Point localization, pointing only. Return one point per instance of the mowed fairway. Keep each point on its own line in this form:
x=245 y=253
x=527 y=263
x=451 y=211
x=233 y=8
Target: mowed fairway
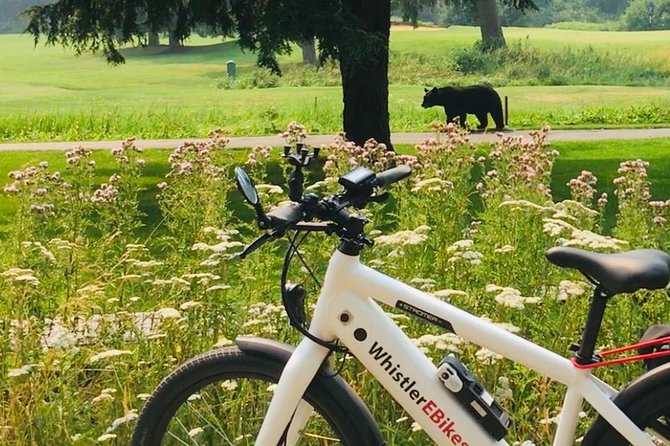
x=654 y=45
x=48 y=94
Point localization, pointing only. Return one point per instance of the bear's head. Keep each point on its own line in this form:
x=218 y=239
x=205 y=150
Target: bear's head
x=431 y=98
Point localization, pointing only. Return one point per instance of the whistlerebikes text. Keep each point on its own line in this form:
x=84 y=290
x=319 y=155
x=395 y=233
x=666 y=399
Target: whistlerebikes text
x=408 y=385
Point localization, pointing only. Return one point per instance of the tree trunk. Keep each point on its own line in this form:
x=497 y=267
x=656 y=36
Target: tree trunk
x=154 y=39
x=364 y=68
x=489 y=23
x=174 y=42
x=308 y=51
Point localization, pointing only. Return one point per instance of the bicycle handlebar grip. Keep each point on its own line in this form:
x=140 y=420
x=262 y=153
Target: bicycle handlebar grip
x=285 y=215
x=388 y=177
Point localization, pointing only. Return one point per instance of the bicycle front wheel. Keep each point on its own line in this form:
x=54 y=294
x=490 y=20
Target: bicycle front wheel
x=221 y=397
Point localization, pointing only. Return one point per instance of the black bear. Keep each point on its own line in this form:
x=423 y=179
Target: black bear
x=478 y=100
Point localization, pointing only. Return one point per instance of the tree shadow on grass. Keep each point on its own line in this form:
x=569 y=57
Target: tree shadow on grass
x=218 y=53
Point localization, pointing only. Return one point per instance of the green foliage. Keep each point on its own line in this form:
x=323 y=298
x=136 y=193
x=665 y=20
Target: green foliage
x=256 y=78
x=638 y=16
x=587 y=26
x=521 y=63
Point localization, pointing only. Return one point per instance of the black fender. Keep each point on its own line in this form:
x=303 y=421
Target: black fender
x=640 y=388
x=337 y=388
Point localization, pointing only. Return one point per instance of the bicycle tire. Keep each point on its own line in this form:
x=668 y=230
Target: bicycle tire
x=177 y=391
x=646 y=401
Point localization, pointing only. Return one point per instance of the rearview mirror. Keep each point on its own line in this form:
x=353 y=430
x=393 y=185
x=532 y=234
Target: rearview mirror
x=246 y=186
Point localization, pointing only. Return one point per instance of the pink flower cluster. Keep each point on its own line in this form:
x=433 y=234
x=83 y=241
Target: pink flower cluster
x=521 y=163
x=258 y=153
x=193 y=158
x=75 y=156
x=294 y=133
x=107 y=192
x=344 y=155
x=582 y=188
x=449 y=138
x=632 y=185
x=122 y=153
x=661 y=209
x=36 y=178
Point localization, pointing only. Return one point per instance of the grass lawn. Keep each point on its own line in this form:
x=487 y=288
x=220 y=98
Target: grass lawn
x=600 y=157
x=647 y=44
x=48 y=94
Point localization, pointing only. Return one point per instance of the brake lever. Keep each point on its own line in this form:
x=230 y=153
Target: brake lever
x=253 y=246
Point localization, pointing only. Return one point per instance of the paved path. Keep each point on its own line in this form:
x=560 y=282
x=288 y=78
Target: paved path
x=318 y=140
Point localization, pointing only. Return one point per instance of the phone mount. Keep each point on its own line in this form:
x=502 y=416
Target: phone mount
x=300 y=159
x=246 y=186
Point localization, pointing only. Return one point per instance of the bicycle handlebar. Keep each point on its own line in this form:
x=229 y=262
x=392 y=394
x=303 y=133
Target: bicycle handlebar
x=390 y=176
x=286 y=214
x=359 y=190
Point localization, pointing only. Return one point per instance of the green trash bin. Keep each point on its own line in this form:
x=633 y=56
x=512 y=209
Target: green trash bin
x=230 y=67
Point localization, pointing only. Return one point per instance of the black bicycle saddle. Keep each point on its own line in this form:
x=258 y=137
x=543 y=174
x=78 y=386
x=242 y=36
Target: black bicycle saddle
x=624 y=272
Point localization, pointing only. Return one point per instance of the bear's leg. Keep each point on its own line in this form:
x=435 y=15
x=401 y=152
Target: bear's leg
x=450 y=118
x=497 y=115
x=463 y=117
x=483 y=120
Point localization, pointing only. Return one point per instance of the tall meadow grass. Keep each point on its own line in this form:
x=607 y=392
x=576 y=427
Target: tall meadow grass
x=93 y=316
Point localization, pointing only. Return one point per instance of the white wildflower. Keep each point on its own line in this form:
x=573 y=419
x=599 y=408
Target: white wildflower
x=269 y=189
x=168 y=313
x=223 y=342
x=106 y=437
x=190 y=304
x=503 y=391
x=20 y=275
x=460 y=245
x=229 y=384
x=217 y=287
x=486 y=356
x=23 y=370
x=130 y=416
x=102 y=397
x=416 y=427
x=524 y=204
x=510 y=297
x=446 y=341
x=449 y=293
x=423 y=229
x=433 y=185
x=195 y=432
x=402 y=238
x=135 y=247
x=507 y=327
x=108 y=354
x=569 y=288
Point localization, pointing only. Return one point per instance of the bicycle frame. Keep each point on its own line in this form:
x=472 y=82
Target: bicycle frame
x=346 y=310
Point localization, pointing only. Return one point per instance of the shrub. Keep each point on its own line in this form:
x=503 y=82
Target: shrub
x=638 y=16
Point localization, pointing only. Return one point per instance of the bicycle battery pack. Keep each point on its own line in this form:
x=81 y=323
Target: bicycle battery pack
x=473 y=397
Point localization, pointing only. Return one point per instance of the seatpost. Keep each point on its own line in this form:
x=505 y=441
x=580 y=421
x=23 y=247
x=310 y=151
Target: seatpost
x=590 y=334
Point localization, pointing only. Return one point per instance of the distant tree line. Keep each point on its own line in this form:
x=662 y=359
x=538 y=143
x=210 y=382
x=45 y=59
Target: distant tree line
x=621 y=14
x=10 y=10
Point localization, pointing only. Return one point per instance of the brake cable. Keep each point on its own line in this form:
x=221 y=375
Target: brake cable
x=300 y=325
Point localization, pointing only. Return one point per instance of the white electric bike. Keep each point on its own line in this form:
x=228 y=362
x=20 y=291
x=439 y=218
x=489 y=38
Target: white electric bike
x=266 y=393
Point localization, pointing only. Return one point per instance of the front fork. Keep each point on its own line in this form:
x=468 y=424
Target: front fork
x=286 y=406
